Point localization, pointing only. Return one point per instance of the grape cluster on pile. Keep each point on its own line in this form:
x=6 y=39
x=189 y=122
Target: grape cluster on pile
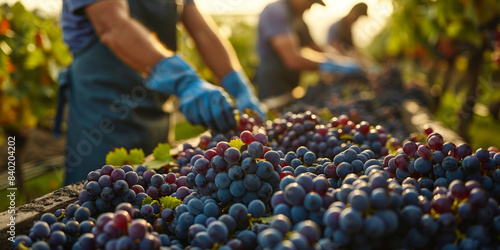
x=326 y=139
x=377 y=101
x=293 y=184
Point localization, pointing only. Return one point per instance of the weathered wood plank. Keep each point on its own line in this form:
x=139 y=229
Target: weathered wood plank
x=32 y=210
x=416 y=119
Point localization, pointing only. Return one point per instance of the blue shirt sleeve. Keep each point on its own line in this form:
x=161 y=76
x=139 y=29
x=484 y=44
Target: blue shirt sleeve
x=274 y=20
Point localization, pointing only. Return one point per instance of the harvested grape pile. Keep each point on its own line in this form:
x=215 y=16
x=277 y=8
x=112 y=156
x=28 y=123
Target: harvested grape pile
x=294 y=183
x=377 y=101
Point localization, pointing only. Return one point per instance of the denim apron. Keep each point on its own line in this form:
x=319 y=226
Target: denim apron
x=109 y=105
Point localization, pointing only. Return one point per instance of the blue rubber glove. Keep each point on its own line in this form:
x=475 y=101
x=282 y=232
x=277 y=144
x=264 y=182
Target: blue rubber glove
x=201 y=102
x=238 y=86
x=343 y=68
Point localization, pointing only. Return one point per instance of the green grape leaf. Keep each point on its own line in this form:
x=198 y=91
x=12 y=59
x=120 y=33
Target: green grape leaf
x=155 y=164
x=238 y=143
x=346 y=137
x=117 y=157
x=169 y=202
x=147 y=201
x=136 y=156
x=162 y=152
x=266 y=220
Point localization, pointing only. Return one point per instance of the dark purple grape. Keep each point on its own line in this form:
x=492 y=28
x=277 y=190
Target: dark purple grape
x=201 y=166
x=255 y=150
x=93 y=176
x=147 y=175
x=137 y=229
x=261 y=137
x=464 y=150
x=157 y=180
x=410 y=148
x=118 y=174
x=309 y=229
x=435 y=141
x=105 y=181
x=221 y=148
x=264 y=169
x=153 y=192
x=471 y=164
x=482 y=155
x=401 y=161
x=441 y=204
x=294 y=193
x=350 y=220
x=449 y=149
x=49 y=218
x=93 y=188
x=424 y=151
x=120 y=187
x=107 y=170
x=82 y=214
x=232 y=155
x=131 y=178
x=41 y=229
x=246 y=137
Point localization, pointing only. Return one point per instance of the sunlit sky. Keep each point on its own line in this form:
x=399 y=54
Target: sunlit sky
x=318 y=18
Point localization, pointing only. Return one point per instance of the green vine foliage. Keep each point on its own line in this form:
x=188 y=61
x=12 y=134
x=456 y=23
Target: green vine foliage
x=32 y=52
x=445 y=47
x=425 y=29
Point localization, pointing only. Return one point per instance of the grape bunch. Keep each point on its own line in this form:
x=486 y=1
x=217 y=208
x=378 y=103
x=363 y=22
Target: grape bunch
x=237 y=174
x=107 y=187
x=192 y=211
x=60 y=229
x=245 y=122
x=329 y=139
x=122 y=229
x=377 y=211
x=229 y=230
x=160 y=185
x=58 y=232
x=301 y=161
x=438 y=163
x=304 y=197
x=184 y=157
x=279 y=234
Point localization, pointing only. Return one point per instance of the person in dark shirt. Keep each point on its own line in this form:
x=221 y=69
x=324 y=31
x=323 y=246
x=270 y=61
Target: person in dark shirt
x=340 y=33
x=282 y=34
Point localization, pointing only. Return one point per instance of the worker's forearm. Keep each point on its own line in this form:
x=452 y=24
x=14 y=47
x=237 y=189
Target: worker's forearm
x=302 y=63
x=305 y=59
x=293 y=56
x=127 y=38
x=315 y=47
x=135 y=46
x=216 y=52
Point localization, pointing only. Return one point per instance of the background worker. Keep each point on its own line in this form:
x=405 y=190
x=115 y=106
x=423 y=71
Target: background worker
x=340 y=33
x=282 y=35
